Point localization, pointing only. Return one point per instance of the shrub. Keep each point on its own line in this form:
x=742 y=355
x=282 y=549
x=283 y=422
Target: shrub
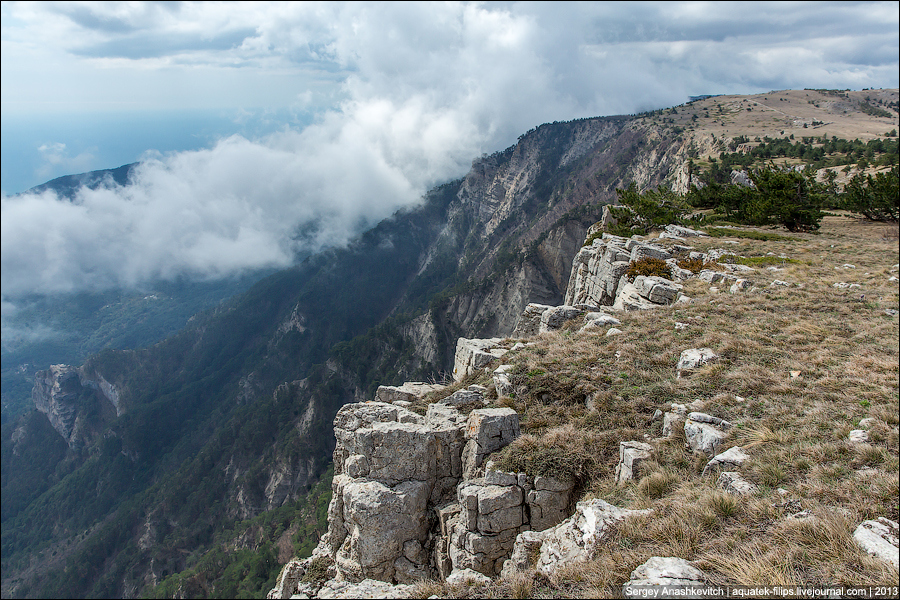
x=638 y=213
x=648 y=267
x=318 y=570
x=876 y=198
x=695 y=265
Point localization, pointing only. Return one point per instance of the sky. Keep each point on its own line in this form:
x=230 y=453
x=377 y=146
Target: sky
x=267 y=130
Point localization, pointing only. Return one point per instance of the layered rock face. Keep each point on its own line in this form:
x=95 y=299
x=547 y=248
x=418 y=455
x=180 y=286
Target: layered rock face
x=598 y=276
x=55 y=394
x=61 y=392
x=413 y=497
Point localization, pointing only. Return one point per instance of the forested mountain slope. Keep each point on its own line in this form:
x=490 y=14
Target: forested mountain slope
x=231 y=417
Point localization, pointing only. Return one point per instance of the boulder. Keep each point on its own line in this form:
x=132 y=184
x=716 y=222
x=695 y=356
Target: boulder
x=730 y=459
x=664 y=571
x=657 y=290
x=530 y=322
x=575 y=538
x=879 y=538
x=474 y=354
x=555 y=317
x=631 y=455
x=733 y=483
x=694 y=358
x=704 y=433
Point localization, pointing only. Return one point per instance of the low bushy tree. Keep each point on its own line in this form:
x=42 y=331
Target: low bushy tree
x=786 y=197
x=638 y=212
x=876 y=198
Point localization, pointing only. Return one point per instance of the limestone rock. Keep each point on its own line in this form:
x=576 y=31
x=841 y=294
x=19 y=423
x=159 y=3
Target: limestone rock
x=464 y=397
x=288 y=578
x=380 y=519
x=502 y=383
x=858 y=436
x=629 y=299
x=684 y=231
x=408 y=392
x=525 y=553
x=549 y=501
x=657 y=290
x=467 y=577
x=672 y=421
x=574 y=539
x=739 y=286
x=601 y=318
x=553 y=318
x=879 y=538
x=694 y=358
x=474 y=354
x=704 y=434
x=667 y=571
x=733 y=483
x=62 y=393
x=530 y=322
x=596 y=271
x=731 y=458
x=391 y=465
x=55 y=394
x=366 y=589
x=488 y=430
x=631 y=455
x=640 y=250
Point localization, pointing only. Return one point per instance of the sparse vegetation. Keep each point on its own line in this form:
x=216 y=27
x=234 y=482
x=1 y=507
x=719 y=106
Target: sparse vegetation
x=649 y=267
x=594 y=391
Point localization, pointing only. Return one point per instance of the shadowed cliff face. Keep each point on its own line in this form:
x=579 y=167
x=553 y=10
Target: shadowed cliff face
x=232 y=416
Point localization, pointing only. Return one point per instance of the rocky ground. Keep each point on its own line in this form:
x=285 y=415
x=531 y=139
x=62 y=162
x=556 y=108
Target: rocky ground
x=742 y=431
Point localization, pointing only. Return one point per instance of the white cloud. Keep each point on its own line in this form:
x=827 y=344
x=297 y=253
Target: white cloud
x=404 y=96
x=56 y=156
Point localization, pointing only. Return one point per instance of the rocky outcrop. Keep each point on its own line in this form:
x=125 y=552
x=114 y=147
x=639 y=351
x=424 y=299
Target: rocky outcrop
x=66 y=395
x=599 y=276
x=596 y=271
x=474 y=354
x=574 y=539
x=390 y=466
x=409 y=392
x=413 y=497
x=55 y=394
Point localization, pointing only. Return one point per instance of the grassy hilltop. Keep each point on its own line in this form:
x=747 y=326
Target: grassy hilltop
x=800 y=366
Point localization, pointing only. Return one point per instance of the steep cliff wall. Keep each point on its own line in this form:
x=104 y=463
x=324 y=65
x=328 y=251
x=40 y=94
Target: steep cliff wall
x=203 y=407
x=76 y=405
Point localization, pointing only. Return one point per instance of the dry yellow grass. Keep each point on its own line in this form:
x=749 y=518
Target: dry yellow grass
x=580 y=394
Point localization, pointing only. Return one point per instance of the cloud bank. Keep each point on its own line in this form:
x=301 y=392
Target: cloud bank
x=404 y=95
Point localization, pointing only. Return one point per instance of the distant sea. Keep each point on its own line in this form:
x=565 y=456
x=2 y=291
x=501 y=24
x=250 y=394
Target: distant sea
x=90 y=141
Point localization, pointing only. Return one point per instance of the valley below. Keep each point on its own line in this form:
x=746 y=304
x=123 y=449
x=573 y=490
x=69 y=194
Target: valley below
x=197 y=460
